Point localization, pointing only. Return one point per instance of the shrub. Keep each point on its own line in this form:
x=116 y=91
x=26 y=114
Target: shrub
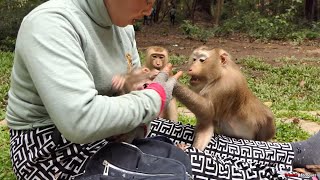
x=195 y=32
x=11 y=13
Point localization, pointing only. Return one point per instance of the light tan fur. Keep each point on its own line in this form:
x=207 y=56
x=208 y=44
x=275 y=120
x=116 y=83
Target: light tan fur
x=156 y=57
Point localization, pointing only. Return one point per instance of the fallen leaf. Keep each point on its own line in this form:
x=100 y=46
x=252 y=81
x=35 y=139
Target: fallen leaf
x=302 y=83
x=295 y=120
x=269 y=103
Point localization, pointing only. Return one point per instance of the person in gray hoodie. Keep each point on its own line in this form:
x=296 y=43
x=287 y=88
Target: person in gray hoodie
x=61 y=109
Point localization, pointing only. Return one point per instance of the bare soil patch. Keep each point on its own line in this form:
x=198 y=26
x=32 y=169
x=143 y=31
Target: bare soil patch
x=238 y=46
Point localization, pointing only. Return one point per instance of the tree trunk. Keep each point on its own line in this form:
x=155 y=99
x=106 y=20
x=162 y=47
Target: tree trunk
x=217 y=12
x=262 y=7
x=205 y=6
x=316 y=11
x=194 y=4
x=310 y=10
x=188 y=12
x=158 y=9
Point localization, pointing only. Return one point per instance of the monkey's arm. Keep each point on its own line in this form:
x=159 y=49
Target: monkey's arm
x=197 y=104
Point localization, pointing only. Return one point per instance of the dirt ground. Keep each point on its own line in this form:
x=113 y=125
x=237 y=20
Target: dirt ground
x=171 y=37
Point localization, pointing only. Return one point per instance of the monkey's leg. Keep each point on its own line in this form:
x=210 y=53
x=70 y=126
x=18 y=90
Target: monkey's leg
x=203 y=133
x=242 y=150
x=172 y=110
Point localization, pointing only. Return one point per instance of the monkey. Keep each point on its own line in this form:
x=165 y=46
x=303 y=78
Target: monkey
x=221 y=100
x=137 y=79
x=157 y=57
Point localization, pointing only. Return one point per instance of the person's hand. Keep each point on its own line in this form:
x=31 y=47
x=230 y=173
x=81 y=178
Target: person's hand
x=137 y=133
x=167 y=83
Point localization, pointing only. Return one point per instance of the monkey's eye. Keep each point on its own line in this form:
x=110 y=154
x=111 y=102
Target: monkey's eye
x=194 y=59
x=202 y=60
x=154 y=56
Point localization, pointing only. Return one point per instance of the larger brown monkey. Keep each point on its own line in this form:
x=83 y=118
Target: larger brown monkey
x=221 y=99
x=157 y=58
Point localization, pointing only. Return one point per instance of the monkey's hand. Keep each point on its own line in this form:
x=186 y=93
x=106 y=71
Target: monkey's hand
x=182 y=146
x=167 y=83
x=153 y=73
x=168 y=69
x=137 y=133
x=118 y=82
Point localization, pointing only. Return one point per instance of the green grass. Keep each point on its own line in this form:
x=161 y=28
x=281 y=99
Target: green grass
x=289 y=132
x=277 y=84
x=280 y=84
x=305 y=115
x=285 y=132
x=6 y=172
x=186 y=119
x=6 y=59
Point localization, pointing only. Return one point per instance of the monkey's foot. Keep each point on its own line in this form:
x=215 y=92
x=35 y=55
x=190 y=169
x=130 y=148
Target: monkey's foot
x=182 y=146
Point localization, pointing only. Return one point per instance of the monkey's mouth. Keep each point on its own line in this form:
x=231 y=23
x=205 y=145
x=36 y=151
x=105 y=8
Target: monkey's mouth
x=194 y=80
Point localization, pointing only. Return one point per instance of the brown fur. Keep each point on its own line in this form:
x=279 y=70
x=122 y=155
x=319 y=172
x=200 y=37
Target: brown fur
x=133 y=80
x=123 y=84
x=222 y=101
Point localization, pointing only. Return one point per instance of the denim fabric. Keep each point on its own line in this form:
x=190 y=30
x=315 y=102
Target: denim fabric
x=143 y=159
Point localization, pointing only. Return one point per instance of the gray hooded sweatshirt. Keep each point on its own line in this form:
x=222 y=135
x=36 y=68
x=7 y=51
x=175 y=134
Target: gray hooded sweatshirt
x=67 y=52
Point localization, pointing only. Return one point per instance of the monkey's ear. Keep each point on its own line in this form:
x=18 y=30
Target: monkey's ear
x=224 y=58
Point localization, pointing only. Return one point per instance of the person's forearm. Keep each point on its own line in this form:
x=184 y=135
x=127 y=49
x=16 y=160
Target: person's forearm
x=106 y=116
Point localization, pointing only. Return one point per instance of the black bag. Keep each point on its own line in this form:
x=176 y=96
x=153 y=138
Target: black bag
x=150 y=158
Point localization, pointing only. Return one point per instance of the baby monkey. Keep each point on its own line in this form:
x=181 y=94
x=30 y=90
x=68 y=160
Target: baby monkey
x=221 y=99
x=157 y=58
x=137 y=79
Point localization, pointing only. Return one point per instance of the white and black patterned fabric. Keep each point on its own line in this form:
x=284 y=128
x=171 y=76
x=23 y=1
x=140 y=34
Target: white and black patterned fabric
x=35 y=155
x=230 y=158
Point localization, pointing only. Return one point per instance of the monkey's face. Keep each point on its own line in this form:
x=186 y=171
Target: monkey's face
x=198 y=65
x=158 y=60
